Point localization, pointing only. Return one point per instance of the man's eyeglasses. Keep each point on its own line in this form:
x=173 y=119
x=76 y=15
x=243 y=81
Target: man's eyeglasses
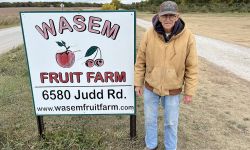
x=168 y=16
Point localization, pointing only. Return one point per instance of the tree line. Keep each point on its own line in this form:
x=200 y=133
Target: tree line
x=195 y=5
x=158 y=2
x=48 y=4
x=150 y=5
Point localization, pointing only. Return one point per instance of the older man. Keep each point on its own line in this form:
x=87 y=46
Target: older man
x=166 y=62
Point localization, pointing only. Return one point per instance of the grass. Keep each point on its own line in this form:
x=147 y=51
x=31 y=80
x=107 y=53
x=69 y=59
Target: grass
x=18 y=128
x=148 y=15
x=9 y=16
x=215 y=25
x=18 y=123
x=9 y=21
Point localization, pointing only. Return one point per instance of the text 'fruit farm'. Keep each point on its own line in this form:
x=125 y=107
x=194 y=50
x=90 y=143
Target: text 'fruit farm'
x=80 y=24
x=75 y=77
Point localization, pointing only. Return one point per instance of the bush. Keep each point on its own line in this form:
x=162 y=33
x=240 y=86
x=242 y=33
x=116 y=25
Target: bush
x=108 y=7
x=8 y=20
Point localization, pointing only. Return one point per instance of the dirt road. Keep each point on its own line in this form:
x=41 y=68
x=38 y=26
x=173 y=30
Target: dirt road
x=10 y=38
x=232 y=57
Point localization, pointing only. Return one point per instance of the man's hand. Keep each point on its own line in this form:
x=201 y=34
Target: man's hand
x=187 y=99
x=139 y=90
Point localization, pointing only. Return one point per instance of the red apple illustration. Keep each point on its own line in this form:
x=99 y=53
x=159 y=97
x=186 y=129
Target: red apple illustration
x=65 y=59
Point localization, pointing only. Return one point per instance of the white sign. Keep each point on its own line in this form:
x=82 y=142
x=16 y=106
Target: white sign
x=81 y=62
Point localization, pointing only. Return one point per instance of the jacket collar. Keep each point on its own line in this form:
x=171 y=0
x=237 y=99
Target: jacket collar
x=177 y=29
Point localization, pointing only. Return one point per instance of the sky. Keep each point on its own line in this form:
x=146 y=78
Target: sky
x=88 y=1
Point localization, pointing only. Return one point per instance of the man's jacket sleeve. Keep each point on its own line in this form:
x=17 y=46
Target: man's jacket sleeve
x=140 y=65
x=191 y=68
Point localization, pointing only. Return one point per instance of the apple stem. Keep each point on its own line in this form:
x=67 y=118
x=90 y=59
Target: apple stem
x=67 y=48
x=77 y=51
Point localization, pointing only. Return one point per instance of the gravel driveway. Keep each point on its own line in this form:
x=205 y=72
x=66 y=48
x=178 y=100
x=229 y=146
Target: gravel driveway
x=10 y=38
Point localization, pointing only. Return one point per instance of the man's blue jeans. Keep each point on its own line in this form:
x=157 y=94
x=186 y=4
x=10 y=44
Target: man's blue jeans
x=171 y=114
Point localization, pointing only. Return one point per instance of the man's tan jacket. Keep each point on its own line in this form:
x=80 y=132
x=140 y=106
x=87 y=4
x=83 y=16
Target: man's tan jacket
x=167 y=66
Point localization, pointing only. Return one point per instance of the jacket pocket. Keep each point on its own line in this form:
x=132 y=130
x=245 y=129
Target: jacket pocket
x=153 y=76
x=171 y=80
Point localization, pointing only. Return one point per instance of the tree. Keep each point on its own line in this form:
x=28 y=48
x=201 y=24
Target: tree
x=108 y=7
x=116 y=3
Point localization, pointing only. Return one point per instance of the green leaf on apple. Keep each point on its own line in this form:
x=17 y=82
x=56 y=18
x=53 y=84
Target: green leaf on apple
x=91 y=51
x=59 y=44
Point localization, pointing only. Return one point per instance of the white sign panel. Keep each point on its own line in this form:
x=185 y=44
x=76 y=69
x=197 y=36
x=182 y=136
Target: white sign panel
x=81 y=62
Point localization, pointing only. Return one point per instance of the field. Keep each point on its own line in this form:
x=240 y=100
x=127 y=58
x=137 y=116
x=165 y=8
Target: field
x=229 y=27
x=218 y=118
x=10 y=16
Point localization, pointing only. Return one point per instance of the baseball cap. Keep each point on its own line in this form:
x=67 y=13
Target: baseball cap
x=168 y=7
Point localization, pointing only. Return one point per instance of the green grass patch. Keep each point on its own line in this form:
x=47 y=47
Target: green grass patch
x=9 y=21
x=18 y=128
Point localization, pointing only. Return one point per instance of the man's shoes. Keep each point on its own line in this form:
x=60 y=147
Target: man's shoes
x=150 y=149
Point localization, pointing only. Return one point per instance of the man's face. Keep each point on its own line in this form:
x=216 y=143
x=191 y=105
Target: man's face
x=168 y=21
